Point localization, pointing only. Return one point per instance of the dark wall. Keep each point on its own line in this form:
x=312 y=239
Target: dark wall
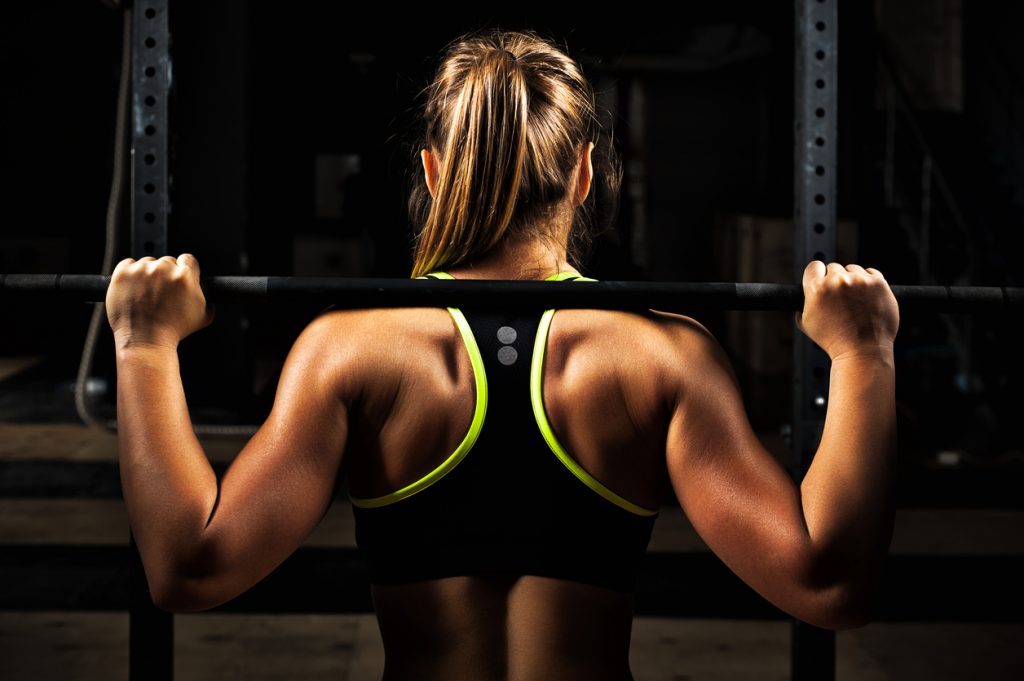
x=59 y=68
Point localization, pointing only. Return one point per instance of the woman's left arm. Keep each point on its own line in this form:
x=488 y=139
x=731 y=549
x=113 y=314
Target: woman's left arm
x=202 y=545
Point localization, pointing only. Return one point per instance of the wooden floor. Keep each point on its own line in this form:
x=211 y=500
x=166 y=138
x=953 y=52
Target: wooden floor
x=217 y=647
x=88 y=646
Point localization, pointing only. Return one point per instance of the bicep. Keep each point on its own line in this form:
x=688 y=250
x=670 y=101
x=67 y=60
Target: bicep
x=281 y=484
x=736 y=494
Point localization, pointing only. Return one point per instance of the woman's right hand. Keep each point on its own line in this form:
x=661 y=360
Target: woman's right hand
x=847 y=309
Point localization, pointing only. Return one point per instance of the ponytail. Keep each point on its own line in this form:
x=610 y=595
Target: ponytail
x=506 y=116
x=480 y=166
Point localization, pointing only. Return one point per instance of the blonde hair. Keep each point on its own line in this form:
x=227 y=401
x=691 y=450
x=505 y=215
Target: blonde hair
x=507 y=116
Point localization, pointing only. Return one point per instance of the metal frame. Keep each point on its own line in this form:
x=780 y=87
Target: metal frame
x=813 y=650
x=151 y=83
x=814 y=238
x=151 y=630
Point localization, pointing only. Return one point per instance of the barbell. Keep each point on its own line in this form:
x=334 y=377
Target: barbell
x=355 y=293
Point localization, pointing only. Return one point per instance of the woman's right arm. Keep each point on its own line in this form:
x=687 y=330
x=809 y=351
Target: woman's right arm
x=815 y=551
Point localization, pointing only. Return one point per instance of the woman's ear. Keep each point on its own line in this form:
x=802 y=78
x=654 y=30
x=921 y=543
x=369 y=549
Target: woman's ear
x=429 y=170
x=586 y=173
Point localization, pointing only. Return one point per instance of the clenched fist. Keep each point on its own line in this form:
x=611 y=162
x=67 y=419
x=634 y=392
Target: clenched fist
x=156 y=302
x=847 y=309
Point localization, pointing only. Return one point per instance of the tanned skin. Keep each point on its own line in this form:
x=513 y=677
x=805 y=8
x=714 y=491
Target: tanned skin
x=637 y=399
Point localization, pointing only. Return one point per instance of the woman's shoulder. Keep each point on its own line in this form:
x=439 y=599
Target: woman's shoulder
x=379 y=348
x=633 y=346
x=382 y=329
x=649 y=329
x=661 y=350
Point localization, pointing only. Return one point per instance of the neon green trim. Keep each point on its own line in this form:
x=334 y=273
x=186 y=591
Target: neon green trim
x=477 y=360
x=562 y=276
x=537 y=400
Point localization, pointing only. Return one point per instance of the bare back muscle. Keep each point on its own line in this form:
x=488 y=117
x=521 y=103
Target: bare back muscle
x=607 y=391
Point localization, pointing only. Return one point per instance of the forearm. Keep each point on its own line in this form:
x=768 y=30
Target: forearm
x=847 y=493
x=168 y=485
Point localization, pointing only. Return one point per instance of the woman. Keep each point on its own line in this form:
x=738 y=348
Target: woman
x=504 y=530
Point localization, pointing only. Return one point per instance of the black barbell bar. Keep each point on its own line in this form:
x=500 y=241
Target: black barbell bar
x=352 y=293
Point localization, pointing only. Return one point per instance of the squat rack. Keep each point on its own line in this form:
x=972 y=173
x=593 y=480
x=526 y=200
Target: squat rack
x=815 y=96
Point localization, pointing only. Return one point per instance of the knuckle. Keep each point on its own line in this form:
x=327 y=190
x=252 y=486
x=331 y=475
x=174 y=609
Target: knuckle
x=842 y=282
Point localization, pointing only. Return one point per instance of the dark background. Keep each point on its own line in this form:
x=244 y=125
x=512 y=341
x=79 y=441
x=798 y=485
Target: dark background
x=268 y=98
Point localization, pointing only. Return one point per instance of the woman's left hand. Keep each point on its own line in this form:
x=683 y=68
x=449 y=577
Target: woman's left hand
x=157 y=302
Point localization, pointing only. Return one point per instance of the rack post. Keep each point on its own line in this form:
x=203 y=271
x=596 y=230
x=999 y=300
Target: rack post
x=814 y=238
x=151 y=630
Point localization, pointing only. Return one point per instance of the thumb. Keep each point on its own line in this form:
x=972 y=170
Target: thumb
x=814 y=270
x=189 y=261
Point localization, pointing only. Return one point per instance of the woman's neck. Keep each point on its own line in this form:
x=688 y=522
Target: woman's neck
x=520 y=259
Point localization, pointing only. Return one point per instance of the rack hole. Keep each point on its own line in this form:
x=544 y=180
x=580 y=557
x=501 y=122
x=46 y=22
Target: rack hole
x=151 y=13
x=150 y=100
x=149 y=246
x=149 y=188
x=820 y=26
x=819 y=112
x=819 y=55
x=819 y=199
x=818 y=255
x=149 y=218
x=150 y=159
x=150 y=72
x=150 y=42
x=150 y=130
x=819 y=228
x=819 y=170
x=820 y=83
x=820 y=141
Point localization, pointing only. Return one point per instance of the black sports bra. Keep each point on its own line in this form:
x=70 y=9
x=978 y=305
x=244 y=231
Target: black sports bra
x=509 y=499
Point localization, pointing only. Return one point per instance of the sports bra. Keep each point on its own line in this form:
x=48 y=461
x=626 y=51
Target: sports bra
x=510 y=499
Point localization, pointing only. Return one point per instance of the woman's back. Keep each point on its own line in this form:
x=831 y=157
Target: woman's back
x=604 y=401
x=504 y=627
x=603 y=394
